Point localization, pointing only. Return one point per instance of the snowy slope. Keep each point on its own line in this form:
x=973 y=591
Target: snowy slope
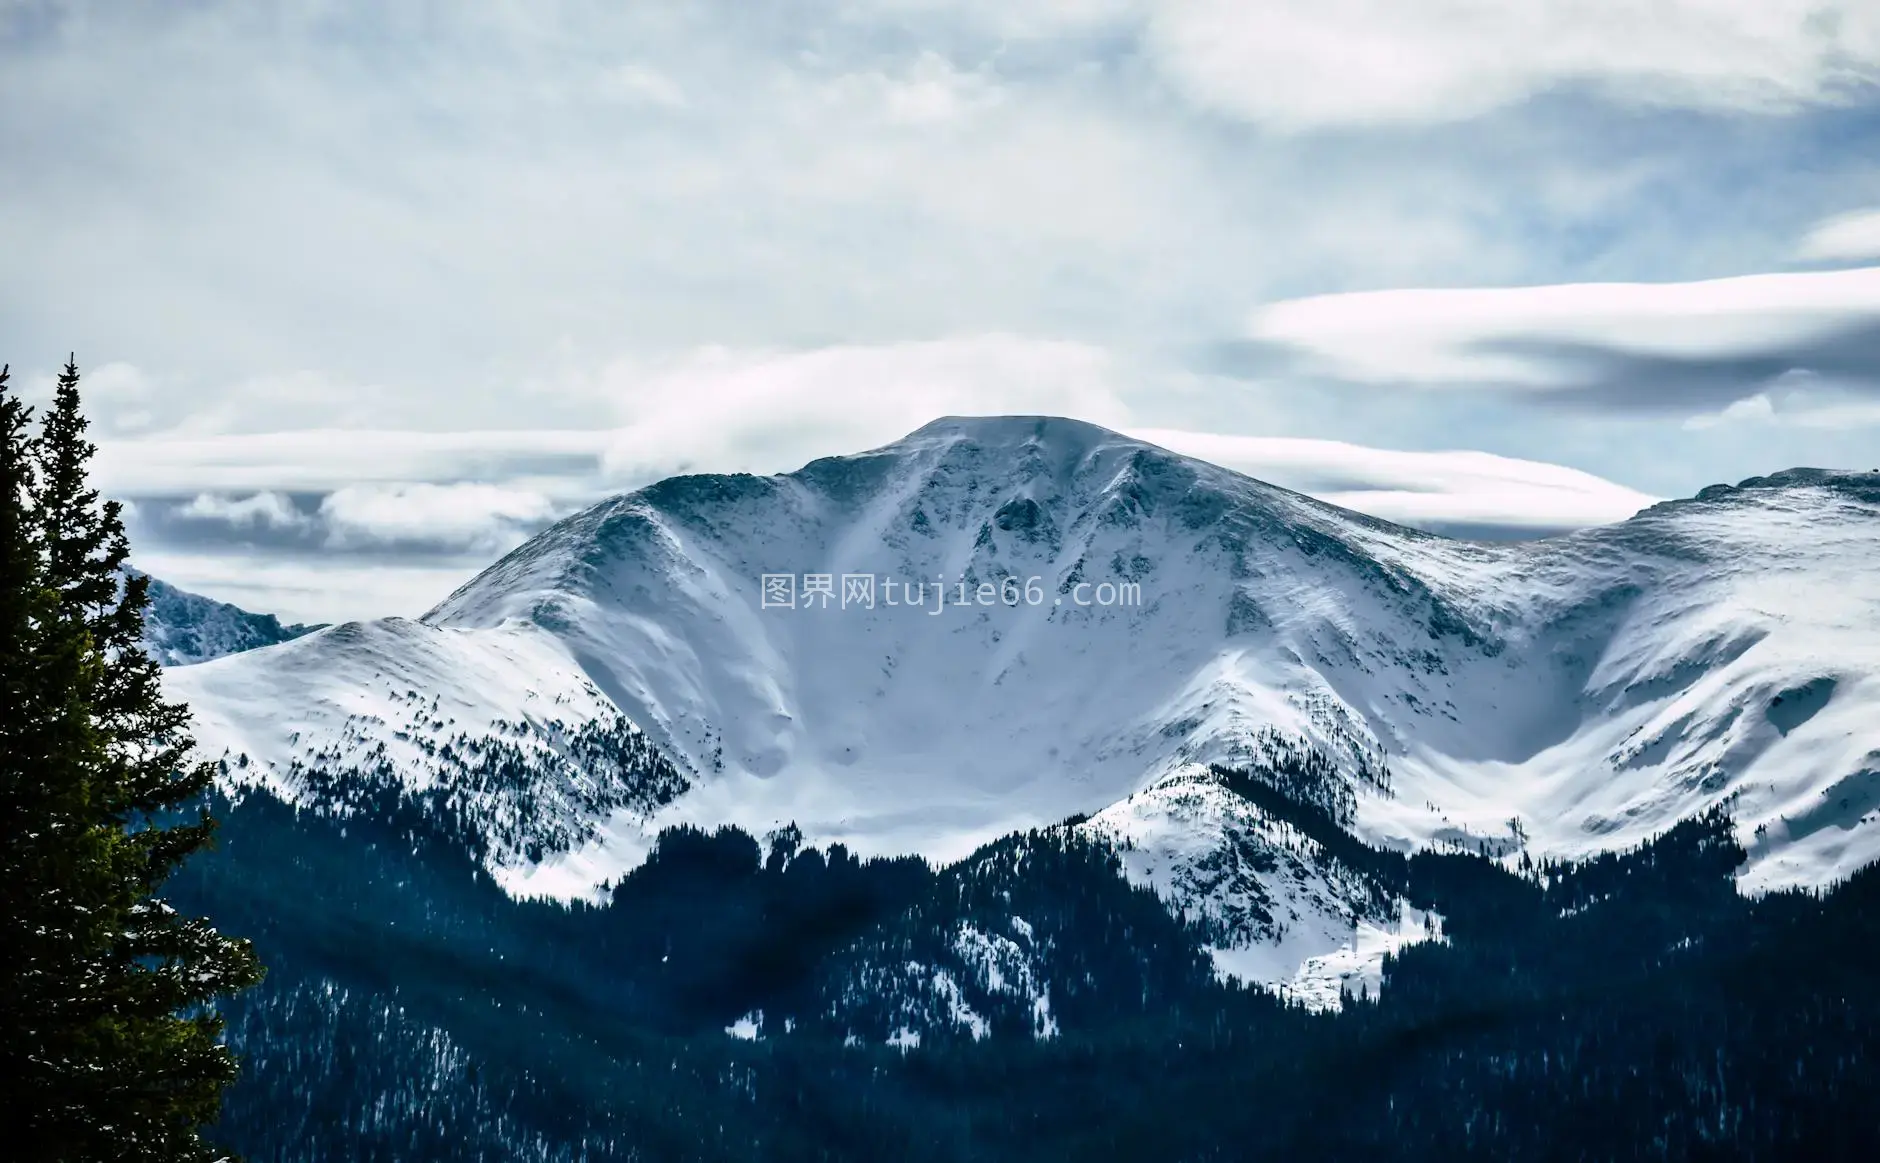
x=1571 y=694
x=902 y=729
x=181 y=628
x=497 y=729
x=1276 y=907
x=1726 y=646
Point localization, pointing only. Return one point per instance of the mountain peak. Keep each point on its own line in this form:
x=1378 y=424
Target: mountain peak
x=1005 y=426
x=1057 y=432
x=1075 y=614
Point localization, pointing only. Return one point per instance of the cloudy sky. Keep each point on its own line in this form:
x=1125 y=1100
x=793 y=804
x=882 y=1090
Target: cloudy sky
x=366 y=292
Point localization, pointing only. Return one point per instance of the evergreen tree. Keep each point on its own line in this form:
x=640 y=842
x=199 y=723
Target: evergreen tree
x=106 y=1038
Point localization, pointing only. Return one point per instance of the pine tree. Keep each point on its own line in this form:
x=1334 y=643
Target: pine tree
x=106 y=1039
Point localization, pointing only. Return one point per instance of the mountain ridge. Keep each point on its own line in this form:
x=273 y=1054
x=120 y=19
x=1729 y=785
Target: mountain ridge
x=1563 y=696
x=182 y=628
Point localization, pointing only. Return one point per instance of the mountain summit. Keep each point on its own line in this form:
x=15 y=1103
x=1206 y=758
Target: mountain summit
x=1063 y=620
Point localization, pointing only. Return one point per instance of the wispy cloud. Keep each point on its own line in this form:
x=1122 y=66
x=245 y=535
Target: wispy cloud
x=1850 y=237
x=641 y=84
x=1651 y=347
x=1434 y=490
x=1300 y=66
x=775 y=410
x=1795 y=401
x=928 y=91
x=325 y=459
x=306 y=589
x=1343 y=62
x=466 y=515
x=267 y=510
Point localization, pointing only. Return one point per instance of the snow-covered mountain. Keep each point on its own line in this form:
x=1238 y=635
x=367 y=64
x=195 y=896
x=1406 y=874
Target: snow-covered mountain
x=1565 y=695
x=181 y=628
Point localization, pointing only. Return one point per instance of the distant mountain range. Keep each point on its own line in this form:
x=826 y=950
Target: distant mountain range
x=1100 y=624
x=181 y=628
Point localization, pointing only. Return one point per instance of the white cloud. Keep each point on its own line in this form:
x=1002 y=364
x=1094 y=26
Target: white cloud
x=641 y=85
x=425 y=233
x=1020 y=18
x=714 y=409
x=120 y=398
x=1418 y=488
x=465 y=515
x=932 y=92
x=325 y=459
x=1791 y=410
x=1851 y=237
x=304 y=590
x=1461 y=337
x=1756 y=409
x=1295 y=65
x=773 y=411
x=928 y=90
x=268 y=510
x=1309 y=64
x=116 y=383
